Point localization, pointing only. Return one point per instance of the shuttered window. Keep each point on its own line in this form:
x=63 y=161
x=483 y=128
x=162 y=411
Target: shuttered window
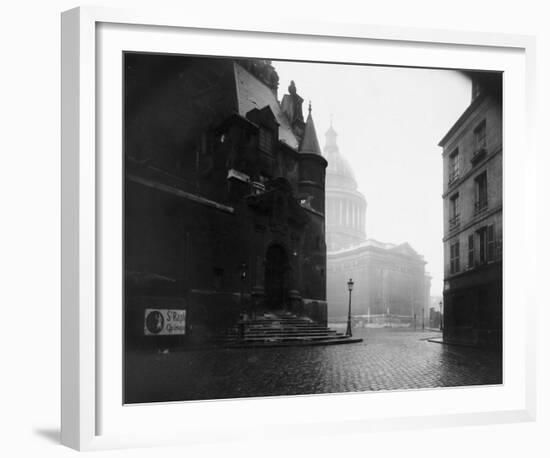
x=453 y=166
x=490 y=243
x=480 y=137
x=455 y=257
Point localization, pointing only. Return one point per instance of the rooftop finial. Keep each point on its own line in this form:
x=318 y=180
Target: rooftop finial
x=292 y=88
x=309 y=143
x=309 y=108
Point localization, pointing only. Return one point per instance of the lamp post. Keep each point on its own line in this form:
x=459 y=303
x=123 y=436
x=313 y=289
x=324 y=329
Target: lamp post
x=440 y=316
x=350 y=289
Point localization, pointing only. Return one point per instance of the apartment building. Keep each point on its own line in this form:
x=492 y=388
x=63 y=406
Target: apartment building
x=472 y=199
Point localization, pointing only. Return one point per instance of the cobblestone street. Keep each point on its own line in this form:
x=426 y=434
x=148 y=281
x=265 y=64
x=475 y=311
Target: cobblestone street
x=387 y=359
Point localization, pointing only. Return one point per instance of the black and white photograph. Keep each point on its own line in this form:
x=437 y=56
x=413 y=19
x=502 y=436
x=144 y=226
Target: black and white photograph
x=286 y=229
x=306 y=228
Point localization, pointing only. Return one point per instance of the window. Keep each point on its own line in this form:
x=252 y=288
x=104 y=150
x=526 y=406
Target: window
x=455 y=257
x=480 y=138
x=471 y=251
x=482 y=237
x=453 y=166
x=265 y=141
x=490 y=243
x=454 y=216
x=481 y=192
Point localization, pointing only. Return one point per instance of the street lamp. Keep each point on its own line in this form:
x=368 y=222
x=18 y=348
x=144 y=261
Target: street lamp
x=350 y=289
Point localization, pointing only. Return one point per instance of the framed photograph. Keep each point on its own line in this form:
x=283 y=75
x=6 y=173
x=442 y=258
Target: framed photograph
x=262 y=218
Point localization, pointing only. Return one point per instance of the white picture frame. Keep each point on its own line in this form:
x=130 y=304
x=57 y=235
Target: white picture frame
x=93 y=416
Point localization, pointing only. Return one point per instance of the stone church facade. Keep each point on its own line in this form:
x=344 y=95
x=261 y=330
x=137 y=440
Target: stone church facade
x=224 y=195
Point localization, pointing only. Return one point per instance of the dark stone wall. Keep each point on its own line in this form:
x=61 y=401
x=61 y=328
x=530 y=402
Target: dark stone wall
x=175 y=246
x=169 y=103
x=203 y=202
x=473 y=307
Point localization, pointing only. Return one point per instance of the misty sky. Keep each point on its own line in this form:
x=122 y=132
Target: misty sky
x=389 y=122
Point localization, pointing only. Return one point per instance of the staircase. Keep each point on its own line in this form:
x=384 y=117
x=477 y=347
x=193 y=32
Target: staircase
x=282 y=329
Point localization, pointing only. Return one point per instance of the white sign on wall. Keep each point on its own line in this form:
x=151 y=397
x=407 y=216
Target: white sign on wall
x=163 y=322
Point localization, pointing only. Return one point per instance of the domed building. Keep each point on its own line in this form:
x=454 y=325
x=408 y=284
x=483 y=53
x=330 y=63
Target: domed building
x=345 y=206
x=390 y=282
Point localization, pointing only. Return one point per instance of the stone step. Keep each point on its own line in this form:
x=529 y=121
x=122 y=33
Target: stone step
x=282 y=339
x=284 y=331
x=268 y=331
x=281 y=317
x=284 y=328
x=278 y=323
x=281 y=322
x=281 y=330
x=292 y=343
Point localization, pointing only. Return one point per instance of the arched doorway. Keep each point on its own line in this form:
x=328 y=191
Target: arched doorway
x=276 y=272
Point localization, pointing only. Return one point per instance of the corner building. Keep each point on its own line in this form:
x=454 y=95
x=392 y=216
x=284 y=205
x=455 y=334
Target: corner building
x=225 y=194
x=472 y=202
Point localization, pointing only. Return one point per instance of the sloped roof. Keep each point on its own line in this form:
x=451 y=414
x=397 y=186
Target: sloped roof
x=310 y=143
x=252 y=93
x=406 y=249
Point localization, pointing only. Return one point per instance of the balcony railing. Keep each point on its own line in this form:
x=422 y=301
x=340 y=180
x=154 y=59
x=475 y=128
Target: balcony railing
x=480 y=206
x=453 y=176
x=454 y=221
x=479 y=154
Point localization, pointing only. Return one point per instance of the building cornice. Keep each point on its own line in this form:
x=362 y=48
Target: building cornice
x=179 y=193
x=312 y=156
x=460 y=121
x=473 y=271
x=475 y=220
x=339 y=192
x=353 y=252
x=312 y=210
x=314 y=184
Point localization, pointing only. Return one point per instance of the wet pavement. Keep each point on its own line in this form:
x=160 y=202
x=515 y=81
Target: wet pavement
x=387 y=359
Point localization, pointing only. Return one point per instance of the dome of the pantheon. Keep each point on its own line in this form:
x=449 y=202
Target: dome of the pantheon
x=345 y=206
x=339 y=172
